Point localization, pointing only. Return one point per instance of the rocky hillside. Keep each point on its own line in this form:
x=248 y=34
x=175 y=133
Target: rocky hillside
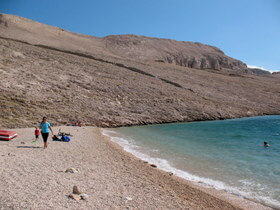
x=257 y=71
x=70 y=77
x=188 y=54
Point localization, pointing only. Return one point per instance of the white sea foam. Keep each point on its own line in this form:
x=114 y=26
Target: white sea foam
x=129 y=146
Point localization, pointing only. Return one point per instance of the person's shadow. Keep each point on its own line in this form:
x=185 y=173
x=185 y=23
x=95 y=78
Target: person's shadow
x=30 y=147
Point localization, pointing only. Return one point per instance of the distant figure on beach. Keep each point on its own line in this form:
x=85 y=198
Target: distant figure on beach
x=265 y=144
x=37 y=133
x=45 y=130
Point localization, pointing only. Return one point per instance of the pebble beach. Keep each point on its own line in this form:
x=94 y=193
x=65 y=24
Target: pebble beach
x=36 y=178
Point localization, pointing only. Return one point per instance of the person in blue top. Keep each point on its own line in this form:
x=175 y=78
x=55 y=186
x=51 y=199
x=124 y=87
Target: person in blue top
x=45 y=130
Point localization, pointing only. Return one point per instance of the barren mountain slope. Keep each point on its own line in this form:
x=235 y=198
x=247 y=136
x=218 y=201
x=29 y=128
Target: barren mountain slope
x=33 y=32
x=97 y=88
x=189 y=54
x=36 y=81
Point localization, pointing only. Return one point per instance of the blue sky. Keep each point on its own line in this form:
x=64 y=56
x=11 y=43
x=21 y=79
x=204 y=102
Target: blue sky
x=248 y=30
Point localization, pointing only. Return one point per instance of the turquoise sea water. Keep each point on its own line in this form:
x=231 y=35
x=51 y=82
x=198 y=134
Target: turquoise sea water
x=227 y=155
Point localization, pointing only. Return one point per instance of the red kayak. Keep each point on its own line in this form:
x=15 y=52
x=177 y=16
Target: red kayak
x=7 y=135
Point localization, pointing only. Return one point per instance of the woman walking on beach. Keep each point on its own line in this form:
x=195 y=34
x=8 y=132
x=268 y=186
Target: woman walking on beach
x=45 y=130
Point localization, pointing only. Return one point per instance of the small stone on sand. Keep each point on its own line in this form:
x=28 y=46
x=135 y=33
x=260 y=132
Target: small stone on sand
x=76 y=190
x=75 y=197
x=72 y=170
x=153 y=165
x=84 y=196
x=128 y=198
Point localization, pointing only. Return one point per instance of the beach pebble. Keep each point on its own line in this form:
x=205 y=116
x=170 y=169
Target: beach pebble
x=76 y=190
x=75 y=197
x=128 y=198
x=72 y=170
x=84 y=196
x=170 y=173
x=153 y=165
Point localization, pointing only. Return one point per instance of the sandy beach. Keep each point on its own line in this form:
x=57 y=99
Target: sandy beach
x=34 y=178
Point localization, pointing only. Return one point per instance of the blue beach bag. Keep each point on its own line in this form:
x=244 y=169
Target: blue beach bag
x=65 y=138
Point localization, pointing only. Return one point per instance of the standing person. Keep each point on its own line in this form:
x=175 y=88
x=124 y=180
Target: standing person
x=37 y=133
x=45 y=130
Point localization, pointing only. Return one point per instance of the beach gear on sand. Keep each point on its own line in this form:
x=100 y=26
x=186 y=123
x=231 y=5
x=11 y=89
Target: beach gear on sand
x=55 y=138
x=7 y=135
x=63 y=133
x=63 y=138
x=35 y=140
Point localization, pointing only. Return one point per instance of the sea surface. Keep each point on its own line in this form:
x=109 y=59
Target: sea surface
x=227 y=155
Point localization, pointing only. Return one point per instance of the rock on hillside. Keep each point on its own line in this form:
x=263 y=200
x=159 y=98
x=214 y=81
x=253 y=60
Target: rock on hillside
x=257 y=71
x=276 y=73
x=187 y=54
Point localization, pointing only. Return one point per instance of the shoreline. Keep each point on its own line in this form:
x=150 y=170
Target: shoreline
x=33 y=178
x=144 y=123
x=233 y=199
x=183 y=121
